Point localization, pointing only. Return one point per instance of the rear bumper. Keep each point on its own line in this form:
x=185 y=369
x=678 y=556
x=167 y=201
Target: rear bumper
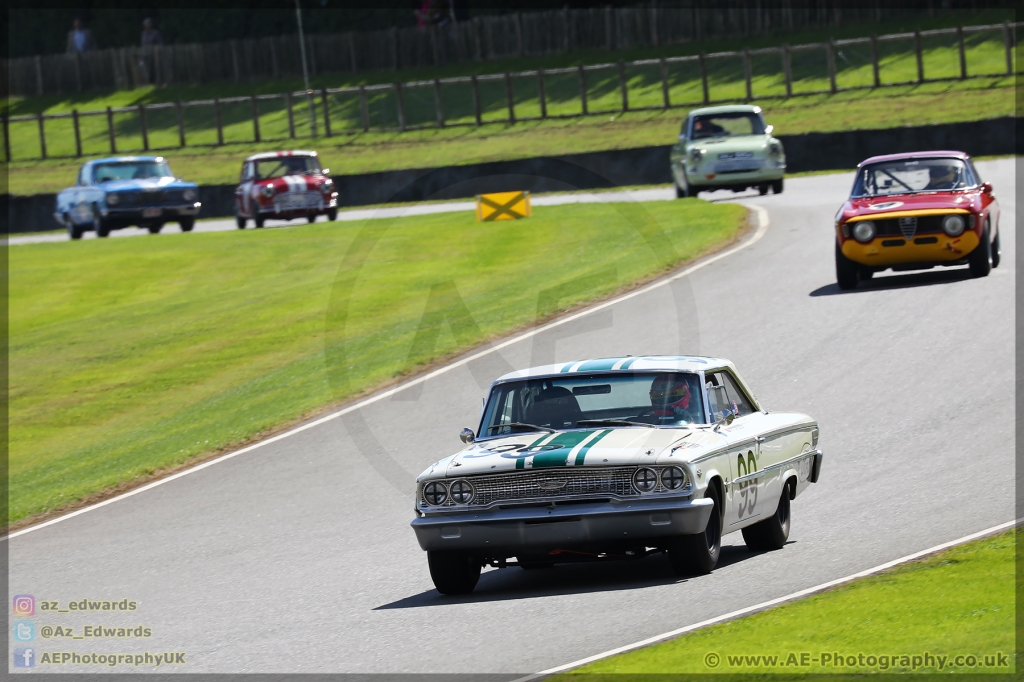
x=541 y=529
x=728 y=180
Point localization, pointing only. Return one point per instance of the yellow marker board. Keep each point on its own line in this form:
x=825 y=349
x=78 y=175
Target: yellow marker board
x=503 y=206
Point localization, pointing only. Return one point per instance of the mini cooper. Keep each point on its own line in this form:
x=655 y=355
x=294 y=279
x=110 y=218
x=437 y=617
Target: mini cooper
x=284 y=186
x=916 y=211
x=729 y=147
x=613 y=459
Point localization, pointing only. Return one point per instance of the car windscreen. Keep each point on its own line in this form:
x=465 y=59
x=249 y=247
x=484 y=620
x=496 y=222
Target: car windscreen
x=655 y=398
x=281 y=166
x=905 y=176
x=727 y=125
x=130 y=170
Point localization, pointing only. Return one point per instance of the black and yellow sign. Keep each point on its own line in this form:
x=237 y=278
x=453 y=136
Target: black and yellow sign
x=503 y=206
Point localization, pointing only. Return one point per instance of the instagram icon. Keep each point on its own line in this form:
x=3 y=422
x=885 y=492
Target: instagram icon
x=24 y=605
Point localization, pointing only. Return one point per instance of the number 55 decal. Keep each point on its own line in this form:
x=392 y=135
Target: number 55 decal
x=748 y=489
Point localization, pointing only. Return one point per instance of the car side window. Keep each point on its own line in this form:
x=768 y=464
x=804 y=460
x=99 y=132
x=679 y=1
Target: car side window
x=686 y=127
x=246 y=172
x=726 y=397
x=83 y=176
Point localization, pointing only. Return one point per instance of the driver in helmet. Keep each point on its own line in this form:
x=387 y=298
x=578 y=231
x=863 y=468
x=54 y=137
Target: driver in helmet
x=941 y=177
x=672 y=398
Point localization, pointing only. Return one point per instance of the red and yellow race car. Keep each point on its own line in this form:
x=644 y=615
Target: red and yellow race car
x=284 y=186
x=914 y=212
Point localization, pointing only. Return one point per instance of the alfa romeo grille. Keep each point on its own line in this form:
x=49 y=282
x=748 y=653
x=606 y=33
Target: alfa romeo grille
x=908 y=226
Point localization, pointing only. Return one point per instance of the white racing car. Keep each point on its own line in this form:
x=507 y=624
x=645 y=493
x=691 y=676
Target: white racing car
x=613 y=459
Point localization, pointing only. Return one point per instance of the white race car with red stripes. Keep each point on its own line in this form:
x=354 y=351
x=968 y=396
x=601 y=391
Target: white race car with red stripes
x=284 y=186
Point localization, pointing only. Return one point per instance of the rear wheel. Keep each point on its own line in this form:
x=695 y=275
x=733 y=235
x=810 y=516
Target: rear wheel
x=777 y=186
x=311 y=218
x=980 y=260
x=187 y=224
x=847 y=272
x=697 y=554
x=997 y=252
x=259 y=221
x=155 y=228
x=240 y=221
x=762 y=189
x=773 y=532
x=453 y=572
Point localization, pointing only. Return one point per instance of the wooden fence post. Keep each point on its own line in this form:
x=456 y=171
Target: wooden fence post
x=180 y=111
x=704 y=77
x=78 y=133
x=476 y=98
x=7 y=139
x=291 y=114
x=510 y=97
x=963 y=54
x=874 y=61
x=255 y=118
x=364 y=109
x=920 y=59
x=142 y=127
x=583 y=90
x=664 y=83
x=830 y=55
x=748 y=73
x=541 y=94
x=622 y=85
x=42 y=136
x=110 y=130
x=327 y=111
x=1008 y=45
x=438 y=104
x=400 y=99
x=787 y=69
x=219 y=121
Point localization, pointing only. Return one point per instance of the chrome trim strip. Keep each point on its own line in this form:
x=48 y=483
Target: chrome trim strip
x=757 y=474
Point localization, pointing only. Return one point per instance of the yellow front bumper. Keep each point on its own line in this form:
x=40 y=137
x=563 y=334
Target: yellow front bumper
x=944 y=250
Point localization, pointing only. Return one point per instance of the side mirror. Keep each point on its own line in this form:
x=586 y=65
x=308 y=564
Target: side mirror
x=467 y=435
x=986 y=187
x=768 y=129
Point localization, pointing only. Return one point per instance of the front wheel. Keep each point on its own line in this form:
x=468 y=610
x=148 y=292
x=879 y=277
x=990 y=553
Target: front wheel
x=101 y=226
x=259 y=220
x=847 y=272
x=240 y=221
x=997 y=252
x=980 y=260
x=453 y=572
x=311 y=218
x=697 y=554
x=187 y=224
x=74 y=231
x=772 y=533
x=332 y=214
x=762 y=189
x=777 y=186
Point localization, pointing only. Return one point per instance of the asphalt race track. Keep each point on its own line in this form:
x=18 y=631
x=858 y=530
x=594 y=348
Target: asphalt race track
x=298 y=556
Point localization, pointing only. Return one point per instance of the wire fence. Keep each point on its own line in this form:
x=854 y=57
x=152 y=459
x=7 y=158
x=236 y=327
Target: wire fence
x=597 y=89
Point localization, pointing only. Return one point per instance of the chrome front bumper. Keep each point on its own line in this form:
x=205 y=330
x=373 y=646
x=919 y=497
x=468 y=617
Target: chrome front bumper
x=540 y=529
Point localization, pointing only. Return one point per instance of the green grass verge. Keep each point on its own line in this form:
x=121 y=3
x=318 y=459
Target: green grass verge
x=129 y=356
x=959 y=602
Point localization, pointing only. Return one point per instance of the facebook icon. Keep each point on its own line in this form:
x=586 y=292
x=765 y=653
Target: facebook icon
x=24 y=657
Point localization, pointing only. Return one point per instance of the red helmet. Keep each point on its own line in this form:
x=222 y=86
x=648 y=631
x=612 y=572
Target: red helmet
x=670 y=392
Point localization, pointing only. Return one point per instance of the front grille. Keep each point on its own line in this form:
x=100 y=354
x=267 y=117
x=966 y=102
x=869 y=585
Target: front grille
x=152 y=197
x=575 y=482
x=907 y=227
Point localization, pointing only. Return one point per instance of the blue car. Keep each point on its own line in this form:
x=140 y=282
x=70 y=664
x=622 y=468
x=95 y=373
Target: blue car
x=124 y=191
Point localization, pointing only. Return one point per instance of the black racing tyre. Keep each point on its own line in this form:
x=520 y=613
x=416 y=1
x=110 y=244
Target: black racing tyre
x=847 y=272
x=311 y=218
x=762 y=189
x=777 y=186
x=187 y=224
x=997 y=252
x=332 y=214
x=101 y=226
x=240 y=221
x=259 y=220
x=74 y=231
x=866 y=273
x=772 y=533
x=155 y=228
x=453 y=572
x=697 y=554
x=980 y=260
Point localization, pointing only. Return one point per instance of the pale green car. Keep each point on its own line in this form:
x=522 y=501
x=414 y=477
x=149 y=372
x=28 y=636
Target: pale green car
x=727 y=147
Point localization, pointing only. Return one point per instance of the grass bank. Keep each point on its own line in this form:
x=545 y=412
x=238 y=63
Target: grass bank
x=957 y=606
x=132 y=356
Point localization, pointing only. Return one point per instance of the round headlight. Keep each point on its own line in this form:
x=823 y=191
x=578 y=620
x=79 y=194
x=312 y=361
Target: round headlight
x=113 y=199
x=435 y=493
x=864 y=231
x=189 y=195
x=953 y=225
x=461 y=492
x=645 y=480
x=267 y=191
x=327 y=187
x=673 y=478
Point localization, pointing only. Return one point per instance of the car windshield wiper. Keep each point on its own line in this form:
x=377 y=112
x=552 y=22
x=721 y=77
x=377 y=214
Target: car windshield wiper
x=616 y=422
x=520 y=425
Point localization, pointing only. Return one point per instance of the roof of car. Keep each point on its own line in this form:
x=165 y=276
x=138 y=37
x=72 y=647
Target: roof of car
x=727 y=109
x=274 y=155
x=676 y=363
x=911 y=155
x=126 y=159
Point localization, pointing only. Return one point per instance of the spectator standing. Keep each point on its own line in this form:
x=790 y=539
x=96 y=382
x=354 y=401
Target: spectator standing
x=80 y=38
x=150 y=36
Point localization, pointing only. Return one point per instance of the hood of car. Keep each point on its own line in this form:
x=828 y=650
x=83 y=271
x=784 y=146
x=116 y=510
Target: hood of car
x=145 y=184
x=579 y=447
x=968 y=200
x=738 y=143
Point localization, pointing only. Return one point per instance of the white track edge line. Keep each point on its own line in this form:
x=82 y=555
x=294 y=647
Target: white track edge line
x=767 y=604
x=762 y=228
